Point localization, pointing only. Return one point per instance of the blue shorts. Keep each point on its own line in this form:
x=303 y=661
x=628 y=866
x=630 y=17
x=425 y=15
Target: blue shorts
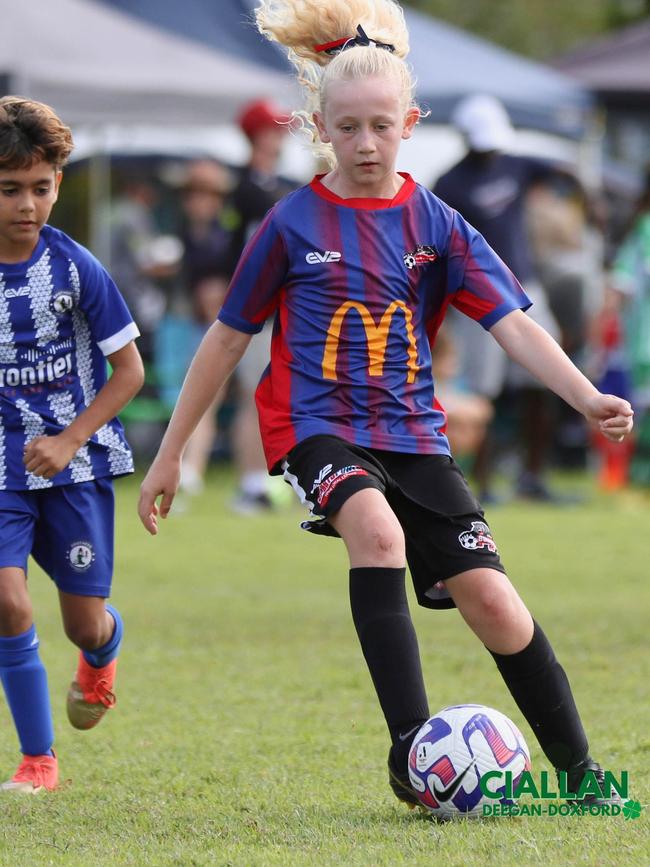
x=68 y=530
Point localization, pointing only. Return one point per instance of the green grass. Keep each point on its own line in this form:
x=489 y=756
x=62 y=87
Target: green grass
x=247 y=731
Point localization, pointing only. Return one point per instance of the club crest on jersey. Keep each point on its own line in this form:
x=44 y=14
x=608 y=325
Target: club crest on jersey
x=81 y=555
x=422 y=255
x=62 y=302
x=479 y=538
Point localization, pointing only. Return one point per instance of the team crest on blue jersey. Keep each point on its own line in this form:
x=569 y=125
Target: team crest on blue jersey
x=62 y=302
x=479 y=538
x=81 y=555
x=423 y=254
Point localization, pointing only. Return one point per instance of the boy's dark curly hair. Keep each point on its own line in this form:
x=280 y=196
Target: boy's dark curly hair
x=31 y=132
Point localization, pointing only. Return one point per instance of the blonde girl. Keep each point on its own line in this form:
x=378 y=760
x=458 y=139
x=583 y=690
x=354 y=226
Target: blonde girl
x=358 y=268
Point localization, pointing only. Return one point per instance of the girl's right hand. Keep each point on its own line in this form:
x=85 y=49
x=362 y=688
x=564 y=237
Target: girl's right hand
x=163 y=480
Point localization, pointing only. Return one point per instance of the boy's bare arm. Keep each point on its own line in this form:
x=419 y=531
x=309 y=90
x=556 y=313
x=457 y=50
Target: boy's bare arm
x=48 y=455
x=215 y=360
x=532 y=347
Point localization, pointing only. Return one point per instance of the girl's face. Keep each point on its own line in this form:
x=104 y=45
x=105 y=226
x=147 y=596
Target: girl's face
x=365 y=120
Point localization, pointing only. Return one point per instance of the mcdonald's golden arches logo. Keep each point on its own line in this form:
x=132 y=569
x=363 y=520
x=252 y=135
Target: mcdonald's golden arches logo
x=376 y=335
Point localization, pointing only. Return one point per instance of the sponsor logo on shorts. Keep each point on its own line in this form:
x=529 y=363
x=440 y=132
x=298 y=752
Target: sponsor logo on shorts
x=81 y=555
x=325 y=484
x=479 y=538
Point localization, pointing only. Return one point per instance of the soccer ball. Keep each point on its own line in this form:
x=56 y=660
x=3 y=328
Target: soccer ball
x=453 y=750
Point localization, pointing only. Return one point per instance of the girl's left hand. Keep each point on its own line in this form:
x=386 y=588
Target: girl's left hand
x=613 y=415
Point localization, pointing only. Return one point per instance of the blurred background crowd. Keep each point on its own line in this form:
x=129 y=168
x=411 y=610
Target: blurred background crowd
x=181 y=114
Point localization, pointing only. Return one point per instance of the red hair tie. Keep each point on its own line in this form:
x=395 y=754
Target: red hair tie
x=328 y=47
x=349 y=41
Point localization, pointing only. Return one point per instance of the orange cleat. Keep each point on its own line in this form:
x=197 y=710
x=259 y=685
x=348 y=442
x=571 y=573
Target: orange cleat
x=35 y=774
x=91 y=694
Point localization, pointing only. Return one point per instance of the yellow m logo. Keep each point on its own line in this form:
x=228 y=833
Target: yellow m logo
x=376 y=335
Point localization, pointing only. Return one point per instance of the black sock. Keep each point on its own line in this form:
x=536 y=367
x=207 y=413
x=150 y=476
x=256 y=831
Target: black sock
x=542 y=692
x=383 y=622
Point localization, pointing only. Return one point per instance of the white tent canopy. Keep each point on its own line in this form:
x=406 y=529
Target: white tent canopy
x=98 y=66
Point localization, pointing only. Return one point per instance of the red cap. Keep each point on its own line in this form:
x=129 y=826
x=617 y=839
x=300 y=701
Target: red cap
x=259 y=115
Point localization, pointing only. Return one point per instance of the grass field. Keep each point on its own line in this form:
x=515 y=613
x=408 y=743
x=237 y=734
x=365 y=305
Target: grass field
x=247 y=731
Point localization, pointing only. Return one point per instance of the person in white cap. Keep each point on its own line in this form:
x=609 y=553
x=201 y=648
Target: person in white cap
x=488 y=187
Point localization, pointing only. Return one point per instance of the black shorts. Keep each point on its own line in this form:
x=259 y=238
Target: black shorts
x=443 y=523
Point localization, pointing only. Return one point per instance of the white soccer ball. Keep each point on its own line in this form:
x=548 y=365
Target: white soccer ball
x=454 y=749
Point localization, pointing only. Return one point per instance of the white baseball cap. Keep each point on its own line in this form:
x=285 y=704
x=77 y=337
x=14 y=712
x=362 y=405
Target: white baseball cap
x=484 y=122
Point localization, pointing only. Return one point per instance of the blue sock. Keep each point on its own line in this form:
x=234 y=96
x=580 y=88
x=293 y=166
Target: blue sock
x=107 y=652
x=25 y=684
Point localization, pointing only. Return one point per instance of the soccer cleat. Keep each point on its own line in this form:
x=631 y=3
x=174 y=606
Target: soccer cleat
x=91 y=693
x=35 y=774
x=575 y=776
x=400 y=784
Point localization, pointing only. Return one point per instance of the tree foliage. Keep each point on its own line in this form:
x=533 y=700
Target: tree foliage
x=537 y=28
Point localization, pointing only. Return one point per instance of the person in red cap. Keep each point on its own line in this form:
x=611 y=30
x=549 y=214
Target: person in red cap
x=262 y=114
x=258 y=188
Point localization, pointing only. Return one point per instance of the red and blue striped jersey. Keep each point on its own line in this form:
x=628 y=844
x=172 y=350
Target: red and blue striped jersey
x=358 y=289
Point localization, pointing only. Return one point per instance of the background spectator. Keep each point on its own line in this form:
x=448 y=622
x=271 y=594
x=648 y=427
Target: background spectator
x=201 y=284
x=144 y=260
x=631 y=285
x=258 y=188
x=567 y=232
x=489 y=188
x=468 y=414
x=205 y=226
x=208 y=290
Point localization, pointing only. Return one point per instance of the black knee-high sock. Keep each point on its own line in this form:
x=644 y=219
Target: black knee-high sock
x=542 y=692
x=383 y=622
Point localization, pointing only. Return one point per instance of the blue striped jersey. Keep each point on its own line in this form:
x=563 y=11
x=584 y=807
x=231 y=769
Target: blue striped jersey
x=61 y=314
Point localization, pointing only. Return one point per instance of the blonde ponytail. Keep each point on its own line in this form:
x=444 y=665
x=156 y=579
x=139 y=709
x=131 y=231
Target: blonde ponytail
x=319 y=35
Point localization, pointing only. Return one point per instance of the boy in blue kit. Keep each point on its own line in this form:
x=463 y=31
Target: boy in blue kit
x=61 y=318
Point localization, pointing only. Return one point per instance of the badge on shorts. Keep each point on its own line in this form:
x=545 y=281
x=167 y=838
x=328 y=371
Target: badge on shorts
x=479 y=538
x=81 y=555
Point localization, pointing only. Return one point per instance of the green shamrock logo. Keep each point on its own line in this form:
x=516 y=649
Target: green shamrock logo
x=632 y=809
